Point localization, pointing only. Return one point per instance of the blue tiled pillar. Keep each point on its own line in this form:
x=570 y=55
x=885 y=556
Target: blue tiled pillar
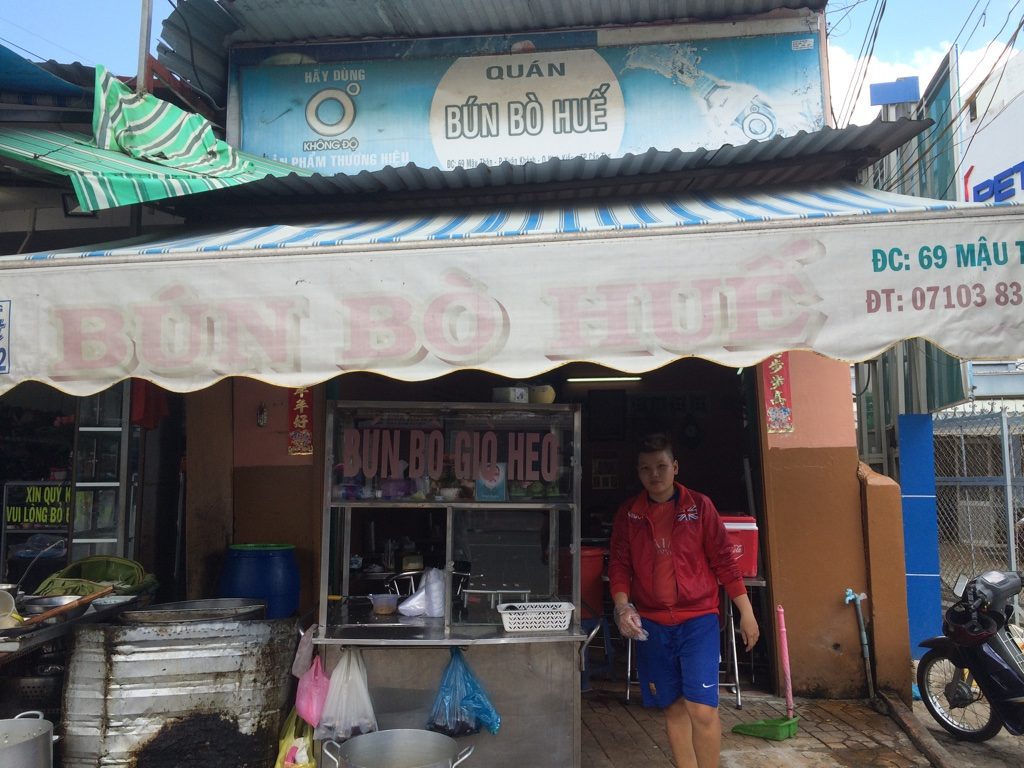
x=920 y=528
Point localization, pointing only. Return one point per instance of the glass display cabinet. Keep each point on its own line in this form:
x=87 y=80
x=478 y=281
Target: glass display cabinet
x=486 y=493
x=104 y=458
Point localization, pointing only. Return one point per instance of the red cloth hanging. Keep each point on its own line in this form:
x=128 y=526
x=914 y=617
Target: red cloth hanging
x=149 y=404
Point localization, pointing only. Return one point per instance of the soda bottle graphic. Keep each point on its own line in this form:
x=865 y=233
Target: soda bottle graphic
x=736 y=110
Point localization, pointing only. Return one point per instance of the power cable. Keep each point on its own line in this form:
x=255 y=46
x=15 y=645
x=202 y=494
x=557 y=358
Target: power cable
x=860 y=68
x=871 y=40
x=198 y=85
x=857 y=65
x=901 y=174
x=847 y=9
x=12 y=44
x=45 y=40
x=926 y=158
x=888 y=183
x=1010 y=44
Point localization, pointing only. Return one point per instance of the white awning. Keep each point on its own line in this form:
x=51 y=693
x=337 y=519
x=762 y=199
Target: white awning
x=839 y=269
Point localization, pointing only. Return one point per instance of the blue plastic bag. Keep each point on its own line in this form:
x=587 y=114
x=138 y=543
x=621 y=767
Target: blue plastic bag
x=462 y=706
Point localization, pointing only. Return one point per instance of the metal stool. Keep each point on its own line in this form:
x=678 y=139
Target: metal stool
x=732 y=662
x=404 y=583
x=631 y=678
x=599 y=626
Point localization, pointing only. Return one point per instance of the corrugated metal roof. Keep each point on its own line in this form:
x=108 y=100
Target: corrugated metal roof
x=197 y=34
x=825 y=155
x=283 y=20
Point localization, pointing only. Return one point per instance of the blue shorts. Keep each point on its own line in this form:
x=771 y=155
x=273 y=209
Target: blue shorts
x=679 y=662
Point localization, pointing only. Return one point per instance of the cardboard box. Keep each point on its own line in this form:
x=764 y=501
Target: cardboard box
x=510 y=395
x=743 y=535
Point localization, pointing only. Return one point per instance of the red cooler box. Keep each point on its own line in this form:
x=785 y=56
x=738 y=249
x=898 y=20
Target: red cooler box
x=743 y=535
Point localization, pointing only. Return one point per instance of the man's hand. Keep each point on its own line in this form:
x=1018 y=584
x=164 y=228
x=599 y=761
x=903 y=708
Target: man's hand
x=749 y=630
x=628 y=621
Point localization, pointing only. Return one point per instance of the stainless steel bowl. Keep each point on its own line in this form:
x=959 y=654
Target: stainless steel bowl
x=33 y=606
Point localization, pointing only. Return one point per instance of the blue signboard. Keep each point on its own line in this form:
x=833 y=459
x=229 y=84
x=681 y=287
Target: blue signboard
x=452 y=106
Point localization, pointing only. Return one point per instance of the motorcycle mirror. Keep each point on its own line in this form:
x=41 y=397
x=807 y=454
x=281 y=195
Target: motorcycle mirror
x=961 y=585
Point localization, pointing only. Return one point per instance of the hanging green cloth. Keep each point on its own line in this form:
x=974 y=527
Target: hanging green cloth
x=147 y=128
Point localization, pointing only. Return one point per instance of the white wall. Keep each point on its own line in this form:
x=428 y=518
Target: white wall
x=991 y=145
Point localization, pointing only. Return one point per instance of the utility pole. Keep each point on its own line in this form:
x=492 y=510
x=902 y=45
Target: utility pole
x=145 y=29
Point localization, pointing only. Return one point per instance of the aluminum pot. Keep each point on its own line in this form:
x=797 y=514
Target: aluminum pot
x=26 y=741
x=397 y=748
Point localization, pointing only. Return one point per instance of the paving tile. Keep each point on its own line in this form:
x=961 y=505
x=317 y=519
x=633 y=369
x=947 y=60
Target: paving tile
x=830 y=734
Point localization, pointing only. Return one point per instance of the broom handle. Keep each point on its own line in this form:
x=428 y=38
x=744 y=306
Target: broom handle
x=784 y=653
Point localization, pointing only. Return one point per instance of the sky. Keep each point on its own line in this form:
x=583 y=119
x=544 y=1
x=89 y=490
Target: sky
x=913 y=37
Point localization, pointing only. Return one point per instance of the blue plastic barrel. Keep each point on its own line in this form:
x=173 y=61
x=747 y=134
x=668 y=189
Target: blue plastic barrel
x=267 y=572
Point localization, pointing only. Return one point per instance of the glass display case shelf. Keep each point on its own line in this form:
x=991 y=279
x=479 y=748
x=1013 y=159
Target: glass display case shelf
x=512 y=528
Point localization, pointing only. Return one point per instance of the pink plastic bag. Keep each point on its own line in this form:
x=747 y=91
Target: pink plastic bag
x=312 y=693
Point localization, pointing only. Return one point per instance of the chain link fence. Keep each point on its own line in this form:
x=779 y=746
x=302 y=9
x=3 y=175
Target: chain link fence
x=979 y=492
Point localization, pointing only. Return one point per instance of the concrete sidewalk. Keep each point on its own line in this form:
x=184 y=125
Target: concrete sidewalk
x=830 y=734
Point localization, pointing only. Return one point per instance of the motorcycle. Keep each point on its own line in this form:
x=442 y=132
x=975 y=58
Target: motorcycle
x=972 y=677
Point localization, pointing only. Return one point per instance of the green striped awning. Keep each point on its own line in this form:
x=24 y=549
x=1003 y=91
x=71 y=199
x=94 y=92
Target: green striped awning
x=144 y=127
x=144 y=149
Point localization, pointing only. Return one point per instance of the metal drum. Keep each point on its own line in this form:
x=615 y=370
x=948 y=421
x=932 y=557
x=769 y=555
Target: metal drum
x=199 y=692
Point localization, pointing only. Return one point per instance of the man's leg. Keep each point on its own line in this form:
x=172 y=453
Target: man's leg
x=680 y=734
x=694 y=733
x=707 y=733
x=699 y=653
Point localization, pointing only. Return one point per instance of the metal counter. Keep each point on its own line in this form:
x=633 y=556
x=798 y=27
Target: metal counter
x=408 y=631
x=534 y=686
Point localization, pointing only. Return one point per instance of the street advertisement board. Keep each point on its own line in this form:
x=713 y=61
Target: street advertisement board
x=363 y=107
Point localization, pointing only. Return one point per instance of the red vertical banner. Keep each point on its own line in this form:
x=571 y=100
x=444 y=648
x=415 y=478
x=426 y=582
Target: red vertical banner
x=300 y=422
x=778 y=400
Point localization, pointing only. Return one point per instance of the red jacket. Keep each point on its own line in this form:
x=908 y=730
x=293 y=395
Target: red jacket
x=703 y=558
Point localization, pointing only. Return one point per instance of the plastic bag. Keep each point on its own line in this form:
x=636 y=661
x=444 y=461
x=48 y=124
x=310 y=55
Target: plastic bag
x=311 y=693
x=348 y=711
x=462 y=706
x=304 y=653
x=295 y=744
x=428 y=599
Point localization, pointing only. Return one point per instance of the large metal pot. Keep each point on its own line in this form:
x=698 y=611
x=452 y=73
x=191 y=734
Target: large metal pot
x=26 y=741
x=397 y=748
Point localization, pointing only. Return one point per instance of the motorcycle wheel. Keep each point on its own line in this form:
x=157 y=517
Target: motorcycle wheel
x=970 y=716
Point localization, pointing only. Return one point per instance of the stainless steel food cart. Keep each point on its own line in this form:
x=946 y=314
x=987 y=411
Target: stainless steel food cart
x=489 y=494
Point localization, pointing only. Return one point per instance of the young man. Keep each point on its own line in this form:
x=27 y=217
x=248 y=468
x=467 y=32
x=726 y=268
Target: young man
x=669 y=553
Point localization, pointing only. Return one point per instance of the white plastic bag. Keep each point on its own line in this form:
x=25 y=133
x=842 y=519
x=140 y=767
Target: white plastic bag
x=428 y=599
x=304 y=653
x=348 y=711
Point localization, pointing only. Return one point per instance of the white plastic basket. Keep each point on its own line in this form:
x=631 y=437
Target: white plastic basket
x=528 y=617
